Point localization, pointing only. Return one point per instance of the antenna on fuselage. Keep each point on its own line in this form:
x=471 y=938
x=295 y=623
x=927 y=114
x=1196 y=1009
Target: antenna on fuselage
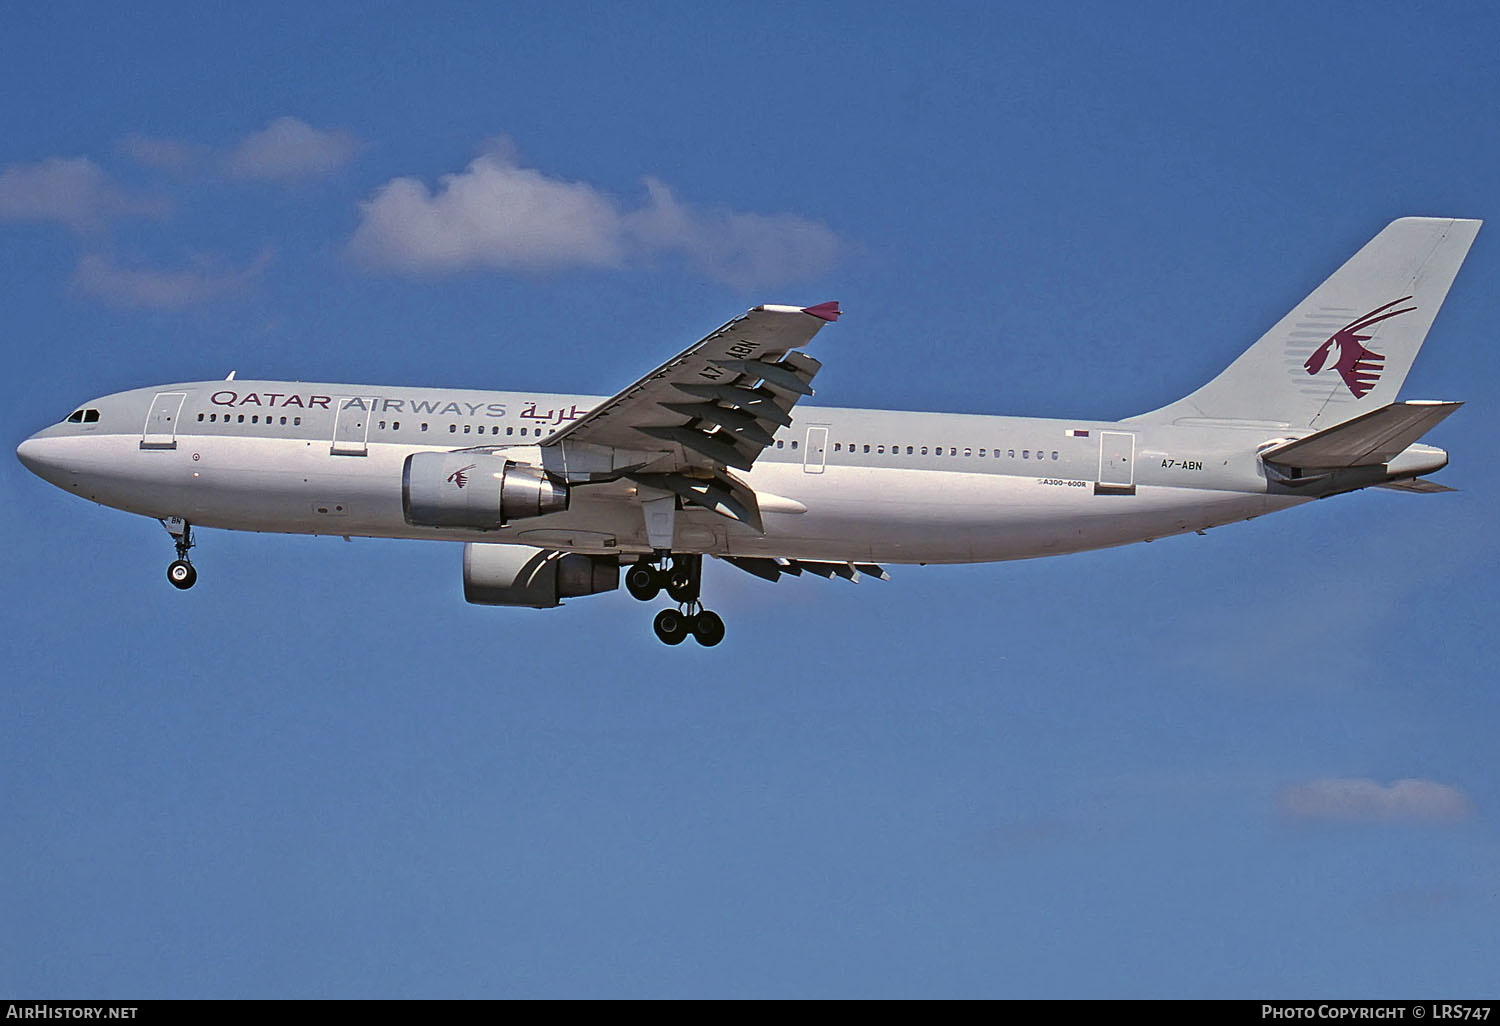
x=229 y=376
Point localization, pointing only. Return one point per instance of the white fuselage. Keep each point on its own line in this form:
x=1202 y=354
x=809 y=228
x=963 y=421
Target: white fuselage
x=838 y=484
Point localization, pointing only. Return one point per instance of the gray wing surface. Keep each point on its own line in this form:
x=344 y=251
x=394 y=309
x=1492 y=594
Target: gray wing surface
x=713 y=408
x=718 y=402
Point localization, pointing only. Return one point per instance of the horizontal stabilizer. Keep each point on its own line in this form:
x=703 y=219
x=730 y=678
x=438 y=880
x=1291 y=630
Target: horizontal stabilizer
x=1368 y=440
x=1417 y=484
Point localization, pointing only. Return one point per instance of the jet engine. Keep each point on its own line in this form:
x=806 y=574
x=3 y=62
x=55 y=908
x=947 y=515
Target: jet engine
x=521 y=575
x=475 y=490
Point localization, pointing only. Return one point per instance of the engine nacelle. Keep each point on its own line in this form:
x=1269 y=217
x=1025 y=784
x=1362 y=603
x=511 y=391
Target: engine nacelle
x=474 y=490
x=521 y=575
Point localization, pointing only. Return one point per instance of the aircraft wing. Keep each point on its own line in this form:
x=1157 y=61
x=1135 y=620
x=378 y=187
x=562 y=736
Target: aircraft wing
x=718 y=402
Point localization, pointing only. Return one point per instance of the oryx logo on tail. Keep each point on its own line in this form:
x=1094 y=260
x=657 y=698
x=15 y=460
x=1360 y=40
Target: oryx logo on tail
x=460 y=476
x=1359 y=367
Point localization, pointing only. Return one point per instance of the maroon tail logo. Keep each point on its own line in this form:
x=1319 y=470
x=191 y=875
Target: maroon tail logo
x=460 y=476
x=1358 y=366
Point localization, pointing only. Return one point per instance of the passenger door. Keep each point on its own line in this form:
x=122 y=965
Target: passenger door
x=351 y=426
x=1116 y=463
x=816 y=454
x=161 y=423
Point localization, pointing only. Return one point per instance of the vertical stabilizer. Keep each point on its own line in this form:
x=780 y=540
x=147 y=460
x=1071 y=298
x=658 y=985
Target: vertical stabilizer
x=1344 y=350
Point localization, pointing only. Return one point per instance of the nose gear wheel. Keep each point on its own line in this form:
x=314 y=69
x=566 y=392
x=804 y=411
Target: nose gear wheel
x=181 y=572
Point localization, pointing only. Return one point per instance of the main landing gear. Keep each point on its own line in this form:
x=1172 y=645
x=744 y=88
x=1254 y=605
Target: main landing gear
x=683 y=579
x=180 y=571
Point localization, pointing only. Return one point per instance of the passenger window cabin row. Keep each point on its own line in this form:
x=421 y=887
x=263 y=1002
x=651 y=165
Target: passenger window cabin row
x=90 y=416
x=937 y=450
x=494 y=429
x=255 y=418
x=395 y=425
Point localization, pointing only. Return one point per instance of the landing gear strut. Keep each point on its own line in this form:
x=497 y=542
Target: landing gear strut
x=180 y=571
x=683 y=580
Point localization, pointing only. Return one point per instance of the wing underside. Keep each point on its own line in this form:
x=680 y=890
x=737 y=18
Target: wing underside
x=772 y=569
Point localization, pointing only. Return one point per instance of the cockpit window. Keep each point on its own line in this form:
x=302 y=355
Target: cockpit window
x=83 y=417
x=76 y=417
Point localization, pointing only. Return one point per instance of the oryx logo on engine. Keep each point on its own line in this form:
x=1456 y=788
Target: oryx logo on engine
x=460 y=476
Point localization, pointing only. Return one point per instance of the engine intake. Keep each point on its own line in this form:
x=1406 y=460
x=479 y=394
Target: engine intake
x=521 y=575
x=474 y=490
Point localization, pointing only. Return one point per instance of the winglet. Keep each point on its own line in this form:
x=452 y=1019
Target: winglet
x=828 y=311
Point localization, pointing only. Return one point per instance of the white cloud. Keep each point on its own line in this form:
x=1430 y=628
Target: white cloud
x=493 y=214
x=289 y=150
x=741 y=249
x=496 y=214
x=1361 y=800
x=204 y=280
x=73 y=191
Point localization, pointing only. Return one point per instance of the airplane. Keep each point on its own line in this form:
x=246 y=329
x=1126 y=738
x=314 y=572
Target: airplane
x=714 y=454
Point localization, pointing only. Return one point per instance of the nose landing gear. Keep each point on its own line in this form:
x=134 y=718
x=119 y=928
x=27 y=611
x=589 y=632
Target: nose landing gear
x=181 y=571
x=182 y=574
x=683 y=580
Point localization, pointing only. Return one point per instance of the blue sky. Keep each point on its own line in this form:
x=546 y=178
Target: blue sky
x=1259 y=762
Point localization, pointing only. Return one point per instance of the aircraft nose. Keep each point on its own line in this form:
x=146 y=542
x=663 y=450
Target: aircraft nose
x=36 y=456
x=29 y=453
